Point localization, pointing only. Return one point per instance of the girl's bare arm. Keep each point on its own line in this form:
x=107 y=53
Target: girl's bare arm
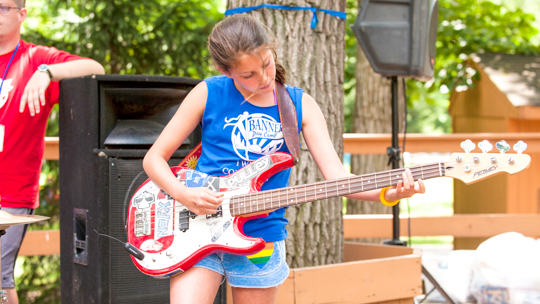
x=184 y=121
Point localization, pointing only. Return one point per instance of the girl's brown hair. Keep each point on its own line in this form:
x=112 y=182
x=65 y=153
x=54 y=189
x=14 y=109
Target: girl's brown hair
x=241 y=34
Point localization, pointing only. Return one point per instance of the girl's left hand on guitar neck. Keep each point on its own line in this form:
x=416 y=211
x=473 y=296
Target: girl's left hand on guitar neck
x=405 y=188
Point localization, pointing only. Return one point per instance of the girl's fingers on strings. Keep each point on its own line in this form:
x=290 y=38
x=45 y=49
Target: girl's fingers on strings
x=421 y=186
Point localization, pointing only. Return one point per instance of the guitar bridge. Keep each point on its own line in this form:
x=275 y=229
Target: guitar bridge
x=142 y=223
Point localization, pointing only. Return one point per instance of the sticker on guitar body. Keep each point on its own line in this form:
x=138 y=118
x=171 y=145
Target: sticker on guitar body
x=242 y=177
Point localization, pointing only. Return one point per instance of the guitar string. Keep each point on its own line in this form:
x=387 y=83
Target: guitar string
x=427 y=170
x=235 y=199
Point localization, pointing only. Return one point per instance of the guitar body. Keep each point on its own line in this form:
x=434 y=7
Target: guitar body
x=173 y=239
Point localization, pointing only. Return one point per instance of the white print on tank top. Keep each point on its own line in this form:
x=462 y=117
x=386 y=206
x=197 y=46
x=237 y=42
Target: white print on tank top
x=255 y=135
x=6 y=88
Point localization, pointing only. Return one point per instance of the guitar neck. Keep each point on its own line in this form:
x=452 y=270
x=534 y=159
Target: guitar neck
x=290 y=196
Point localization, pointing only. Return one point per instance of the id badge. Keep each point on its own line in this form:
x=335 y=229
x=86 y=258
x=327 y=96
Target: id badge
x=2 y=135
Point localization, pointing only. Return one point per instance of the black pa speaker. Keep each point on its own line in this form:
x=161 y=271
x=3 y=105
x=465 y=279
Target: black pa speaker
x=398 y=36
x=107 y=124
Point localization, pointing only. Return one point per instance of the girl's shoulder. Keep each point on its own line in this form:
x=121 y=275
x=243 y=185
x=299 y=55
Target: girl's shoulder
x=217 y=81
x=295 y=92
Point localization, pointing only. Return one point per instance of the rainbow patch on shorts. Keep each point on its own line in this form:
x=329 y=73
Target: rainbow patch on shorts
x=262 y=257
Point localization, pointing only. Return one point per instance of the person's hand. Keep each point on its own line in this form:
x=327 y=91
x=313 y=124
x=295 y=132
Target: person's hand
x=405 y=188
x=34 y=93
x=201 y=201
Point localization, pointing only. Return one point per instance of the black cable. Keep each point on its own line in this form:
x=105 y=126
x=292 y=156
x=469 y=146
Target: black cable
x=101 y=234
x=127 y=246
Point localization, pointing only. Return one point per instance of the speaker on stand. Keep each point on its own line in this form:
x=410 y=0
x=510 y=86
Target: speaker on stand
x=398 y=38
x=107 y=124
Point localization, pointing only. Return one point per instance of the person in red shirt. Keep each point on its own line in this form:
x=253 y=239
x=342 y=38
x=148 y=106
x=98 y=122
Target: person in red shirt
x=28 y=91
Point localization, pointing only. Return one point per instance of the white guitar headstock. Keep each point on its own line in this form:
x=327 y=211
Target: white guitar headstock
x=473 y=167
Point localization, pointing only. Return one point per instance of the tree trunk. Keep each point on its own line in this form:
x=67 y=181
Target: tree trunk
x=314 y=60
x=372 y=114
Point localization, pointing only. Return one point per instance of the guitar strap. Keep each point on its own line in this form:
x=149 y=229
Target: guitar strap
x=289 y=126
x=289 y=123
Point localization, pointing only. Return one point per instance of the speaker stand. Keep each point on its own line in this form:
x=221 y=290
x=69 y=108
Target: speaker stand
x=394 y=155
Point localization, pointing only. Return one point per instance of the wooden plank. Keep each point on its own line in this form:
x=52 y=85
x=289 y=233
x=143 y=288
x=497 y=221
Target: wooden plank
x=356 y=143
x=358 y=251
x=400 y=301
x=458 y=225
x=377 y=143
x=285 y=293
x=368 y=281
x=51 y=148
x=40 y=242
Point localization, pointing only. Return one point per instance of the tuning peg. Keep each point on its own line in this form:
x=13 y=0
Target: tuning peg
x=503 y=146
x=485 y=146
x=520 y=147
x=467 y=145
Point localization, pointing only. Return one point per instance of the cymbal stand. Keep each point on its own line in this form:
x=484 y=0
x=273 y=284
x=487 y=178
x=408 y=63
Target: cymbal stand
x=3 y=293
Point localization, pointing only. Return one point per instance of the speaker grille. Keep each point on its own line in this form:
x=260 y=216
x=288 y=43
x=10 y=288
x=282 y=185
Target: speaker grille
x=127 y=283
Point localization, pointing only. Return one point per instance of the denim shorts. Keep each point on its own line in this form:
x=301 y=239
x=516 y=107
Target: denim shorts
x=241 y=272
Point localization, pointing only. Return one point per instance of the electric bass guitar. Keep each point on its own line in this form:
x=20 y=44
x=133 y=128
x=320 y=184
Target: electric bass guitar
x=171 y=239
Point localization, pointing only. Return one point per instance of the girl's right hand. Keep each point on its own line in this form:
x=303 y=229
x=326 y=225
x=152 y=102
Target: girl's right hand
x=201 y=201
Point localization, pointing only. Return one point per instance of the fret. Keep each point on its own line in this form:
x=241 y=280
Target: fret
x=251 y=206
x=325 y=190
x=337 y=187
x=305 y=193
x=315 y=191
x=422 y=169
x=244 y=204
x=390 y=176
x=287 y=201
x=376 y=181
x=440 y=172
x=362 y=183
x=349 y=183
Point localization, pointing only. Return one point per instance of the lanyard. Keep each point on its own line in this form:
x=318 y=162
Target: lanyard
x=7 y=68
x=2 y=127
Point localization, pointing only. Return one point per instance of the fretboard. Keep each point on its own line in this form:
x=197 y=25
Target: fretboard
x=283 y=197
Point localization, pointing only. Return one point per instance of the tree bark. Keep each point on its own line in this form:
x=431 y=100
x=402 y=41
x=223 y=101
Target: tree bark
x=372 y=114
x=314 y=60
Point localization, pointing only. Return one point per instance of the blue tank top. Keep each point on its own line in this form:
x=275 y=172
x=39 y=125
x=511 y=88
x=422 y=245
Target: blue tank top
x=235 y=133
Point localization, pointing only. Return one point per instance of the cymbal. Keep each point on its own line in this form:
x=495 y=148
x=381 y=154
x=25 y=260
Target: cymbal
x=7 y=219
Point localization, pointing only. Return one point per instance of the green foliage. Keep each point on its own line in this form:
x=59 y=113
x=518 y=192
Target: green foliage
x=40 y=280
x=350 y=63
x=38 y=277
x=473 y=26
x=152 y=37
x=155 y=37
x=465 y=27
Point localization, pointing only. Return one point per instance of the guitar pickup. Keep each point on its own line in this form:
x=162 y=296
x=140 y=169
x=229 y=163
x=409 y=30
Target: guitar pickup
x=219 y=213
x=183 y=219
